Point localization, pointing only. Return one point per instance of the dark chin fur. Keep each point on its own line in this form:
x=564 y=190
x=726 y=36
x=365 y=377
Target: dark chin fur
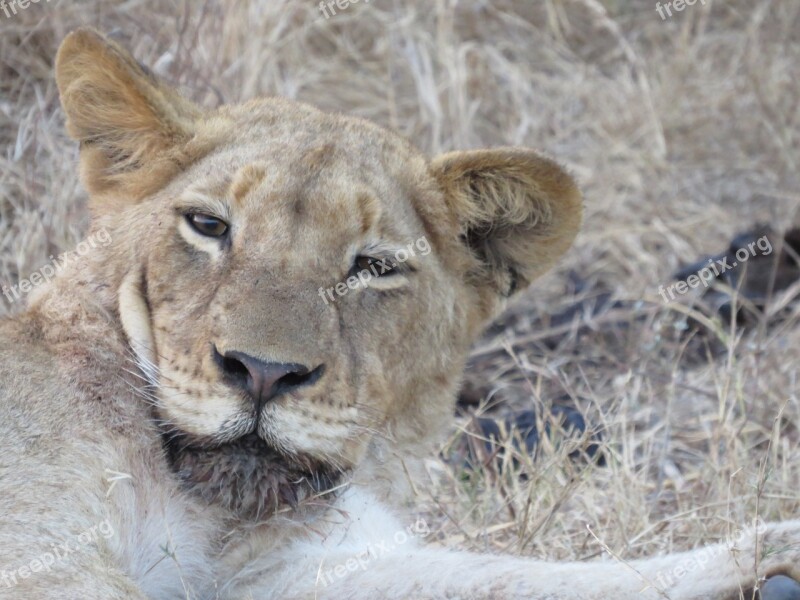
x=246 y=476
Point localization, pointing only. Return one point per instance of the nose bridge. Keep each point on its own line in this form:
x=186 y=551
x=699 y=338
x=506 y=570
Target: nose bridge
x=277 y=318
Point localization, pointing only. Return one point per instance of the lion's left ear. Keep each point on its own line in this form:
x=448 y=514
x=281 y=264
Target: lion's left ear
x=518 y=212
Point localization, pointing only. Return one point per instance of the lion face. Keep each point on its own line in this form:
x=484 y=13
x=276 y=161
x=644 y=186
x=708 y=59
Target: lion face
x=283 y=289
x=298 y=288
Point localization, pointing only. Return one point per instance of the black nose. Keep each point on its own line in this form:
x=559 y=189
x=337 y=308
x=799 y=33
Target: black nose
x=265 y=381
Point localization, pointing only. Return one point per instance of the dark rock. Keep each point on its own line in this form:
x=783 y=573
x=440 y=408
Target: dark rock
x=780 y=587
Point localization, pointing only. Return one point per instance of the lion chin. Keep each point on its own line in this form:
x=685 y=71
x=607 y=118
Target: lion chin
x=247 y=476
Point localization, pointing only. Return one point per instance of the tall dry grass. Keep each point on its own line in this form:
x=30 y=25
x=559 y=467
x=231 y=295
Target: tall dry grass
x=681 y=132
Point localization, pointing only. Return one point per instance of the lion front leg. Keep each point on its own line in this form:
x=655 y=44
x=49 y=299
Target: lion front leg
x=371 y=554
x=727 y=571
x=733 y=569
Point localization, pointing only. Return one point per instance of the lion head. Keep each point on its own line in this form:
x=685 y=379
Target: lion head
x=300 y=289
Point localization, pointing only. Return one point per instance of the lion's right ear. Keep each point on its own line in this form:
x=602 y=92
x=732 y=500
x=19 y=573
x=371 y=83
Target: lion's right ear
x=132 y=128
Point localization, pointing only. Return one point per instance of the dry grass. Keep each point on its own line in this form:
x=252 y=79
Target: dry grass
x=682 y=132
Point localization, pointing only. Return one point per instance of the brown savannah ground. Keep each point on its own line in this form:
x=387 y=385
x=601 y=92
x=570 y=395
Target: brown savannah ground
x=682 y=132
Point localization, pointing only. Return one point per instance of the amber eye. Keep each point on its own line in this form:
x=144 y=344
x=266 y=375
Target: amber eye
x=378 y=267
x=207 y=225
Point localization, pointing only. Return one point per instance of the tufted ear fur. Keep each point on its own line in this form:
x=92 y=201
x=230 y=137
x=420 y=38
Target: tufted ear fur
x=132 y=129
x=518 y=213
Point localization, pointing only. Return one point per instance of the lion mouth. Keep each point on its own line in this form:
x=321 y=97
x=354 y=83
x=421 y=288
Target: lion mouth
x=247 y=476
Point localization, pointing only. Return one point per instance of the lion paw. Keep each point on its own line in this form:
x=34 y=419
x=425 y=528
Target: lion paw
x=780 y=551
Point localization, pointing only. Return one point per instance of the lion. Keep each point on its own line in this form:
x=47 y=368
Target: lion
x=231 y=398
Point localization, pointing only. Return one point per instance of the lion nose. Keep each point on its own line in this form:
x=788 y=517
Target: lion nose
x=265 y=381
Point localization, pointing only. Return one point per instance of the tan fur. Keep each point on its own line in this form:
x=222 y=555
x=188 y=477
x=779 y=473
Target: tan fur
x=115 y=359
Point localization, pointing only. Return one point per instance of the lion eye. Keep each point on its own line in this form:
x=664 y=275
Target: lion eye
x=379 y=267
x=207 y=225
